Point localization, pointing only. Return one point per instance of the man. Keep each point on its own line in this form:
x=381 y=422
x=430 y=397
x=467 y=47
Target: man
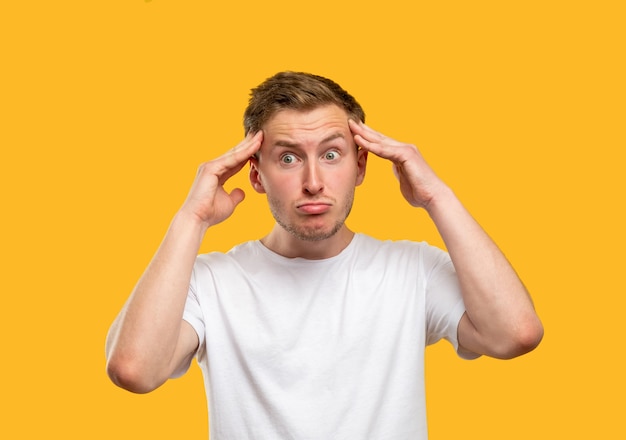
x=315 y=332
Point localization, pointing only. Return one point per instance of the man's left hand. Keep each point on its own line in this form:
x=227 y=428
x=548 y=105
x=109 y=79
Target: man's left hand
x=418 y=182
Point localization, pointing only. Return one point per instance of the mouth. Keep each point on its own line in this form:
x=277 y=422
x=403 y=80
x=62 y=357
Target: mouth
x=313 y=207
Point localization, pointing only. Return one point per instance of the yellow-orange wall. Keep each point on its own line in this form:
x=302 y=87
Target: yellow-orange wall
x=108 y=107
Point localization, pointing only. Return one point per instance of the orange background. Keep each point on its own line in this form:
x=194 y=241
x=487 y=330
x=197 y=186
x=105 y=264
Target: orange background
x=108 y=107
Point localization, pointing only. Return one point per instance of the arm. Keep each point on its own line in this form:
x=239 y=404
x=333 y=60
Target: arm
x=500 y=320
x=149 y=341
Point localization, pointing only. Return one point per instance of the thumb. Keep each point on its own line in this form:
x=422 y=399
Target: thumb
x=237 y=195
x=396 y=172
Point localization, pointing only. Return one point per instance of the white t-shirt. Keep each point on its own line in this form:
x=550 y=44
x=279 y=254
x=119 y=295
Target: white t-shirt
x=321 y=349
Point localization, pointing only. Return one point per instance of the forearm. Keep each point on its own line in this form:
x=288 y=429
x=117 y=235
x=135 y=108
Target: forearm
x=500 y=319
x=499 y=308
x=144 y=337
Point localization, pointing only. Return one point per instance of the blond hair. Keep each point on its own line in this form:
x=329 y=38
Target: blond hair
x=296 y=91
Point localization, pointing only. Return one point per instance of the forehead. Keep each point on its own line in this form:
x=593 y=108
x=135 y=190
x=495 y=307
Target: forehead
x=298 y=125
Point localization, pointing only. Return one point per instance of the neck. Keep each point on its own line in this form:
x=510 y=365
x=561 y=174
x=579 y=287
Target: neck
x=286 y=244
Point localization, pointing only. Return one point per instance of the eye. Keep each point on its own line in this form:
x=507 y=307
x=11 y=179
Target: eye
x=288 y=159
x=331 y=155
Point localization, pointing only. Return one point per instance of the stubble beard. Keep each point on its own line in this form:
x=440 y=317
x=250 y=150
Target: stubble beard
x=307 y=233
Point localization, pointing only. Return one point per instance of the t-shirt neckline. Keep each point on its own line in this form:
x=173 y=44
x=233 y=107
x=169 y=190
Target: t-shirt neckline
x=280 y=258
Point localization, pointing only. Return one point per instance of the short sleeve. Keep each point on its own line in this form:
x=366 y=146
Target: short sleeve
x=193 y=311
x=193 y=315
x=444 y=303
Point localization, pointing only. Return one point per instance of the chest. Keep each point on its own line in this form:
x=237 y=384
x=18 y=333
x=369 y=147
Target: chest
x=315 y=315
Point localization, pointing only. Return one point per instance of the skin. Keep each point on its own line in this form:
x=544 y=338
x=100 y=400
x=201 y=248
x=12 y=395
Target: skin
x=149 y=341
x=500 y=320
x=308 y=165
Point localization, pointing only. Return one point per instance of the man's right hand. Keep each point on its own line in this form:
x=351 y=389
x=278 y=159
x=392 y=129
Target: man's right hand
x=149 y=341
x=207 y=200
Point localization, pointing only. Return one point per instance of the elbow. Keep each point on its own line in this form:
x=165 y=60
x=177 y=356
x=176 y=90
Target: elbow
x=523 y=339
x=131 y=376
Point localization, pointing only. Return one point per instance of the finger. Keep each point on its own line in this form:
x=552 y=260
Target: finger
x=362 y=136
x=379 y=144
x=366 y=131
x=245 y=149
x=233 y=160
x=368 y=138
x=237 y=195
x=227 y=173
x=385 y=148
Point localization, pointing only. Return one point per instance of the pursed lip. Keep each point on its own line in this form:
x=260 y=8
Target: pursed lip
x=317 y=207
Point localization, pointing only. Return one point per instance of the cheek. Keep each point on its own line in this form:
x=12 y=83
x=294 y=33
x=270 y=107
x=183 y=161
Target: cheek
x=346 y=178
x=275 y=183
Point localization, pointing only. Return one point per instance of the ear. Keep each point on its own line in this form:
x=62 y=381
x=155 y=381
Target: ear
x=255 y=176
x=361 y=163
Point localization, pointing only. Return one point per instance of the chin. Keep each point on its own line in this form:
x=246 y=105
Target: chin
x=313 y=234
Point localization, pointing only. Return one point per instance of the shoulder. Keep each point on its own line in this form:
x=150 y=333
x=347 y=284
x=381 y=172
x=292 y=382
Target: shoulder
x=399 y=251
x=234 y=257
x=366 y=243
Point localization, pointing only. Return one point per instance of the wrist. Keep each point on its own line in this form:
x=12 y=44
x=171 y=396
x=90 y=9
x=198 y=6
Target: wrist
x=188 y=221
x=441 y=201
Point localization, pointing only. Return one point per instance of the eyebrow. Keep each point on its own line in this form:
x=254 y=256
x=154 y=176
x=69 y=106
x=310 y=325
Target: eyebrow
x=289 y=144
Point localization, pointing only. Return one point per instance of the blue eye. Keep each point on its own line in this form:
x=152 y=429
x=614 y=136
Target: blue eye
x=288 y=159
x=331 y=155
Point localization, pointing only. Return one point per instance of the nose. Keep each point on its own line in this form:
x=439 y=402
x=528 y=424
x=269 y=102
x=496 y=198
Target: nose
x=312 y=179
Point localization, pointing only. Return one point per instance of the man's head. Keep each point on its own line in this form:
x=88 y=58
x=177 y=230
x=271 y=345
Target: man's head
x=308 y=164
x=296 y=91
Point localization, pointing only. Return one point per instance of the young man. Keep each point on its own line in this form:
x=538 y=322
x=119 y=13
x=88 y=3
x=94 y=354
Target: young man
x=314 y=331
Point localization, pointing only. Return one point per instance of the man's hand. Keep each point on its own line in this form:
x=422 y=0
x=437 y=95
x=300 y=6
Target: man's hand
x=149 y=341
x=207 y=199
x=500 y=319
x=418 y=182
